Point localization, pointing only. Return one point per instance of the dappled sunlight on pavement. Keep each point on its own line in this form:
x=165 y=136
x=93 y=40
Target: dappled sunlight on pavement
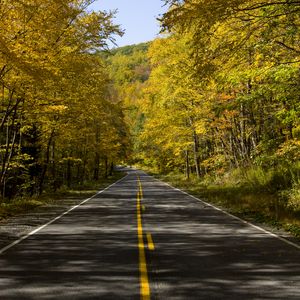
x=198 y=252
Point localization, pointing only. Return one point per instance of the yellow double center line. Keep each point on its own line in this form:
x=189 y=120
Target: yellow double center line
x=144 y=281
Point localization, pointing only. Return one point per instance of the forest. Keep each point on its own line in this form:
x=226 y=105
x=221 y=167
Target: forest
x=60 y=123
x=213 y=104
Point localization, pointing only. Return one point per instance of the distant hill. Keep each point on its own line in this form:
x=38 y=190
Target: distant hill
x=130 y=49
x=129 y=63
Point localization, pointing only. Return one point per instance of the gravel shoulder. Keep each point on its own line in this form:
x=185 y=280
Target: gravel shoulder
x=15 y=227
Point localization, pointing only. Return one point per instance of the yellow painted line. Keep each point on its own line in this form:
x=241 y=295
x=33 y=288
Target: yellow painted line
x=140 y=188
x=150 y=242
x=144 y=281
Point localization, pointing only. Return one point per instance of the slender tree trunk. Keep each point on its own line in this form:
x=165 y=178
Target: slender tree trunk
x=84 y=159
x=10 y=145
x=83 y=176
x=195 y=146
x=53 y=167
x=5 y=156
x=96 y=166
x=111 y=169
x=196 y=154
x=187 y=164
x=242 y=132
x=69 y=173
x=78 y=176
x=105 y=167
x=97 y=154
x=10 y=154
x=46 y=163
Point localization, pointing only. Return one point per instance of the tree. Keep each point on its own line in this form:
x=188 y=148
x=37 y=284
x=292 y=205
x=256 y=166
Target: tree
x=129 y=70
x=223 y=86
x=48 y=72
x=176 y=111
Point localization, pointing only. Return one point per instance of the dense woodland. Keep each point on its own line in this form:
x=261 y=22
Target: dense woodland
x=60 y=124
x=215 y=98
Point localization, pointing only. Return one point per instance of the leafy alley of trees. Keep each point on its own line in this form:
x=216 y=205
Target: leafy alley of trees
x=60 y=124
x=224 y=87
x=218 y=95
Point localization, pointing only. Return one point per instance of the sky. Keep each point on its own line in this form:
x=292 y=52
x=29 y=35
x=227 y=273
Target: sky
x=136 y=17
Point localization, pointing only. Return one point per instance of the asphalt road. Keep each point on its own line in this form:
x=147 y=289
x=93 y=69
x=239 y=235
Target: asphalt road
x=141 y=239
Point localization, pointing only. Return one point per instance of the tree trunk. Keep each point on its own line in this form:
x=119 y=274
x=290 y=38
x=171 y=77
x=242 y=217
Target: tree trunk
x=9 y=148
x=45 y=165
x=111 y=169
x=53 y=168
x=187 y=164
x=69 y=173
x=196 y=154
x=96 y=166
x=105 y=167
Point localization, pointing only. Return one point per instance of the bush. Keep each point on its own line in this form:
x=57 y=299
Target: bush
x=256 y=177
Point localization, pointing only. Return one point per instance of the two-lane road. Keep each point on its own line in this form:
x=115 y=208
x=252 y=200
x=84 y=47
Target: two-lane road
x=142 y=239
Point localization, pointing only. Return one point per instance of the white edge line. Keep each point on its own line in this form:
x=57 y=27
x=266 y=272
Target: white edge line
x=234 y=217
x=2 y=250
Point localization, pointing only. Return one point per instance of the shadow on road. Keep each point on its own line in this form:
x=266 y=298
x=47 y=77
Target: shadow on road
x=90 y=253
x=202 y=253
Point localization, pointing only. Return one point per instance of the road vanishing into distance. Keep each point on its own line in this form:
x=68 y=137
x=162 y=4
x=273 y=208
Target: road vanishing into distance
x=142 y=239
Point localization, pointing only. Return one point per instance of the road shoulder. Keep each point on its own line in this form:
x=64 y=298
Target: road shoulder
x=18 y=226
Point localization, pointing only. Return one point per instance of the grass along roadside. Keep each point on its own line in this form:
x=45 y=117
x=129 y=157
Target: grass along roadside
x=68 y=196
x=257 y=205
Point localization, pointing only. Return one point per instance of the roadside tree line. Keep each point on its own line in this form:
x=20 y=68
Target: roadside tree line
x=223 y=92
x=60 y=124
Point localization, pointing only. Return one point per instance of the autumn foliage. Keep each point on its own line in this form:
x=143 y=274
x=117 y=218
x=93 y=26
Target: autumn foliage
x=222 y=95
x=59 y=123
x=219 y=91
